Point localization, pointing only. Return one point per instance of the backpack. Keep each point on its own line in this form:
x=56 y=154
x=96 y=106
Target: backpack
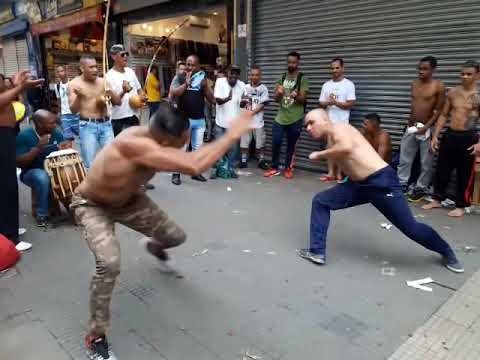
x=298 y=84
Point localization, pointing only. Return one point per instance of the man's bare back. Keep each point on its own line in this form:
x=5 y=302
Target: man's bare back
x=115 y=185
x=381 y=142
x=425 y=100
x=91 y=97
x=354 y=154
x=464 y=108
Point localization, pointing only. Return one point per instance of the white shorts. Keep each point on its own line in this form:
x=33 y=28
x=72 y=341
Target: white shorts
x=257 y=134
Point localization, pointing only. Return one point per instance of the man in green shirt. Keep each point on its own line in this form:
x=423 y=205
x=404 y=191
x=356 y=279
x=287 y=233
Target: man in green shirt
x=291 y=93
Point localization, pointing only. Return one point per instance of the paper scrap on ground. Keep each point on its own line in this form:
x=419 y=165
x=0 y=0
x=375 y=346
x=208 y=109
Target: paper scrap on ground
x=247 y=251
x=236 y=212
x=271 y=253
x=421 y=216
x=229 y=188
x=386 y=226
x=244 y=173
x=203 y=252
x=447 y=227
x=9 y=273
x=470 y=249
x=389 y=271
x=418 y=284
x=248 y=354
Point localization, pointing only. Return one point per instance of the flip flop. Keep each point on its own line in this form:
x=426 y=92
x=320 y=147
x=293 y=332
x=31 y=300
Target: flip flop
x=343 y=181
x=326 y=178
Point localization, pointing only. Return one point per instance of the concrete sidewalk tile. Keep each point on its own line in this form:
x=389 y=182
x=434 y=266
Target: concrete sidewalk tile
x=471 y=288
x=461 y=309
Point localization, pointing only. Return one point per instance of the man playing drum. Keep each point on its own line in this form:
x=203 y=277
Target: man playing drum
x=111 y=193
x=33 y=146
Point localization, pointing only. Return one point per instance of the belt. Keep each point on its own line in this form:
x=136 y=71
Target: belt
x=97 y=120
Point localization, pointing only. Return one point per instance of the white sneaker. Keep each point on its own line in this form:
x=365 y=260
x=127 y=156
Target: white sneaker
x=23 y=246
x=21 y=231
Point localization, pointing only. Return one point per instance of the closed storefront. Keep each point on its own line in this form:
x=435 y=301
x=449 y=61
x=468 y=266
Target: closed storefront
x=381 y=43
x=14 y=44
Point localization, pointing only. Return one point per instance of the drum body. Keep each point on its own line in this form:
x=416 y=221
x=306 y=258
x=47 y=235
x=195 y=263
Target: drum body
x=66 y=171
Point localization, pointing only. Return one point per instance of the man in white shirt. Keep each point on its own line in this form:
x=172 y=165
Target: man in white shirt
x=124 y=83
x=70 y=122
x=256 y=96
x=228 y=96
x=337 y=97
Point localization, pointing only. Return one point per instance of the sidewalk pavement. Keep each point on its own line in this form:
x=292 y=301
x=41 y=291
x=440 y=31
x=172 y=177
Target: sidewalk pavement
x=249 y=291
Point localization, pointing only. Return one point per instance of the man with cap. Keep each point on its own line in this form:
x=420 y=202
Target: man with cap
x=125 y=84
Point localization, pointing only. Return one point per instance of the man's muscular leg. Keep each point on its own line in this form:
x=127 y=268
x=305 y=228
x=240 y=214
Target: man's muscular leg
x=144 y=216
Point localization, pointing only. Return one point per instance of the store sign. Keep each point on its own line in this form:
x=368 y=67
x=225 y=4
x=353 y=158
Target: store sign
x=6 y=15
x=63 y=22
x=64 y=6
x=51 y=8
x=242 y=31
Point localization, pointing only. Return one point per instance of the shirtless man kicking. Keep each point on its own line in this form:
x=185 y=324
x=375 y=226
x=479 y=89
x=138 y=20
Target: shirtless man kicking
x=87 y=97
x=462 y=106
x=371 y=181
x=377 y=137
x=428 y=97
x=110 y=194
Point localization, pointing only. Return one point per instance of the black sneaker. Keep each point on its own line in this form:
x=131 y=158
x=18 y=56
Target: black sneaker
x=262 y=164
x=199 y=178
x=213 y=174
x=98 y=349
x=42 y=221
x=416 y=196
x=243 y=165
x=149 y=186
x=176 y=179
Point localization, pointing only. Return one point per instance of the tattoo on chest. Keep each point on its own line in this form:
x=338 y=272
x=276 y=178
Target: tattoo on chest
x=472 y=117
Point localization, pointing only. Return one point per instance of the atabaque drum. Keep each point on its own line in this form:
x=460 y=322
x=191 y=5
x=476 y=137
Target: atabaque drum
x=66 y=171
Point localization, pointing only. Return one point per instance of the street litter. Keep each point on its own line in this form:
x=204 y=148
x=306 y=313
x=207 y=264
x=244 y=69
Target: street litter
x=236 y=212
x=271 y=253
x=421 y=216
x=385 y=263
x=229 y=188
x=8 y=273
x=259 y=183
x=249 y=355
x=247 y=251
x=386 y=226
x=418 y=284
x=203 y=252
x=447 y=227
x=244 y=173
x=470 y=249
x=389 y=271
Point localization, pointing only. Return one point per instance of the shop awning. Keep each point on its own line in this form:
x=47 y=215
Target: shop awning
x=64 y=22
x=13 y=27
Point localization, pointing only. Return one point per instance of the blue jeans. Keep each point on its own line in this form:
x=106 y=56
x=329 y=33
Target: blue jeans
x=93 y=137
x=70 y=126
x=234 y=152
x=292 y=132
x=381 y=189
x=153 y=107
x=197 y=128
x=38 y=180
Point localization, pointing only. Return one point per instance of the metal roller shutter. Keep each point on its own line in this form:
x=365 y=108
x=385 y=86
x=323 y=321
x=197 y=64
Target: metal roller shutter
x=10 y=57
x=22 y=53
x=380 y=41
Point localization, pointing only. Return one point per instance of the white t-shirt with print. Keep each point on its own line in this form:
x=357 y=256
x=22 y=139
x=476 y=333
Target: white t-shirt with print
x=115 y=80
x=343 y=91
x=259 y=95
x=228 y=111
x=61 y=91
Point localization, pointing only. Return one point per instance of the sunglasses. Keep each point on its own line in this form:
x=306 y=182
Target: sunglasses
x=125 y=54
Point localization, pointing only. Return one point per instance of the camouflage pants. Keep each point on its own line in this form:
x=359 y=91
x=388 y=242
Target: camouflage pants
x=140 y=214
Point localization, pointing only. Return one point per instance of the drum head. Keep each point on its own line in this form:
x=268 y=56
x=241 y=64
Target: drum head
x=62 y=152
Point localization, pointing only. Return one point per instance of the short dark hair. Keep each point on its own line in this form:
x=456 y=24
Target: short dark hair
x=373 y=116
x=255 y=67
x=234 y=69
x=169 y=121
x=154 y=67
x=339 y=59
x=294 y=54
x=87 y=57
x=430 y=59
x=180 y=63
x=2 y=76
x=471 y=64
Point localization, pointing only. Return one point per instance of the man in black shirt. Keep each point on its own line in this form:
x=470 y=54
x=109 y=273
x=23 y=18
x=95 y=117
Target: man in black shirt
x=191 y=100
